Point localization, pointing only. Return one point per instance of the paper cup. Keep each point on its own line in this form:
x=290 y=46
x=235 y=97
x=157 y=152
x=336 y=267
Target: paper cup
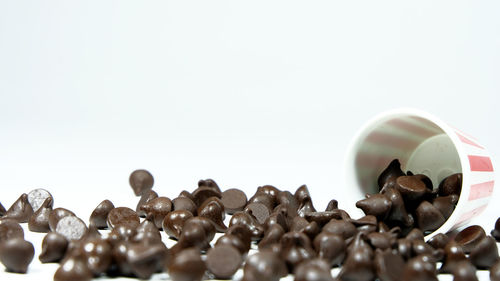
x=424 y=145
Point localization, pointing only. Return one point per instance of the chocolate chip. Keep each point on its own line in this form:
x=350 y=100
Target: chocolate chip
x=146 y=259
x=446 y=204
x=54 y=247
x=264 y=265
x=159 y=208
x=223 y=261
x=388 y=265
x=234 y=241
x=391 y=173
x=203 y=193
x=193 y=235
x=96 y=253
x=287 y=199
x=302 y=193
x=451 y=185
x=39 y=221
x=428 y=217
x=100 y=214
x=122 y=232
x=469 y=237
x=269 y=190
x=141 y=181
x=404 y=248
x=213 y=211
x=419 y=268
x=37 y=197
x=496 y=231
x=379 y=240
x=72 y=269
x=377 y=205
x=332 y=205
x=145 y=198
x=147 y=232
x=2 y=210
x=264 y=199
x=398 y=212
x=485 y=253
x=321 y=218
x=295 y=248
x=207 y=225
x=56 y=215
x=184 y=203
x=464 y=271
x=71 y=227
x=234 y=200
x=313 y=270
x=419 y=247
x=187 y=265
x=10 y=229
x=272 y=236
x=16 y=254
x=439 y=241
x=341 y=227
x=21 y=210
x=330 y=247
x=120 y=264
x=411 y=188
x=358 y=264
x=259 y=211
x=243 y=233
x=122 y=215
x=495 y=271
x=247 y=220
x=453 y=255
x=174 y=221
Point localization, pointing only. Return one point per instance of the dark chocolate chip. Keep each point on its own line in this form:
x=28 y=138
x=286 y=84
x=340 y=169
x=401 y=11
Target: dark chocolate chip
x=391 y=173
x=16 y=254
x=428 y=217
x=243 y=233
x=37 y=197
x=272 y=236
x=419 y=247
x=495 y=271
x=420 y=268
x=485 y=253
x=235 y=241
x=264 y=265
x=2 y=210
x=453 y=255
x=332 y=205
x=209 y=183
x=321 y=218
x=415 y=234
x=464 y=271
x=496 y=231
x=287 y=199
x=469 y=237
x=234 y=200
x=446 y=204
x=259 y=211
x=380 y=240
x=146 y=259
x=295 y=248
x=120 y=264
x=193 y=235
x=343 y=228
x=439 y=241
x=174 y=222
x=187 y=265
x=203 y=193
x=302 y=193
x=141 y=181
x=247 y=220
x=122 y=215
x=411 y=188
x=71 y=227
x=147 y=233
x=99 y=216
x=21 y=210
x=404 y=248
x=10 y=229
x=330 y=247
x=358 y=264
x=184 y=203
x=264 y=199
x=305 y=207
x=145 y=198
x=451 y=185
x=398 y=212
x=207 y=225
x=269 y=190
x=223 y=261
x=159 y=208
x=73 y=269
x=39 y=221
x=56 y=215
x=54 y=247
x=377 y=205
x=96 y=252
x=313 y=270
x=388 y=265
x=212 y=210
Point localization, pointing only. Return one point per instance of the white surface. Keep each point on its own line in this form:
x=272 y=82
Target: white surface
x=264 y=92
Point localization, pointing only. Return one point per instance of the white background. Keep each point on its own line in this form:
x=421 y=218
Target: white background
x=246 y=93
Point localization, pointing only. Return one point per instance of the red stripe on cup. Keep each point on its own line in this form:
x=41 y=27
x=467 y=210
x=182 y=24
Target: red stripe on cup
x=481 y=190
x=468 y=141
x=480 y=163
x=389 y=140
x=468 y=215
x=412 y=128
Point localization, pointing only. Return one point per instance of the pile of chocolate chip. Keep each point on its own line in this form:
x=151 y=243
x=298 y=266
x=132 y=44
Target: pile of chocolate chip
x=270 y=235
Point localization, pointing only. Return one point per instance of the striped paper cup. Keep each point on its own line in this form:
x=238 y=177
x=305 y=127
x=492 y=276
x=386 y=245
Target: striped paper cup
x=424 y=145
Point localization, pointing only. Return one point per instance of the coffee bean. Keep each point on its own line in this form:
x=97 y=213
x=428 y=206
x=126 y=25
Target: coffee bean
x=56 y=215
x=21 y=210
x=39 y=221
x=469 y=237
x=264 y=265
x=419 y=268
x=73 y=269
x=388 y=265
x=234 y=200
x=223 y=261
x=145 y=198
x=313 y=270
x=391 y=173
x=99 y=216
x=10 y=229
x=54 y=247
x=71 y=227
x=174 y=221
x=37 y=197
x=184 y=203
x=451 y=185
x=16 y=254
x=141 y=181
x=485 y=253
x=330 y=247
x=496 y=231
x=187 y=265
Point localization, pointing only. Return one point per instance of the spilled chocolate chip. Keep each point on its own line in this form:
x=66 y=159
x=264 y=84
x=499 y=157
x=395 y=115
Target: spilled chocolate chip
x=453 y=254
x=187 y=265
x=259 y=211
x=122 y=215
x=37 y=197
x=464 y=271
x=213 y=211
x=54 y=247
x=469 y=237
x=209 y=183
x=388 y=265
x=451 y=185
x=330 y=247
x=358 y=264
x=39 y=221
x=10 y=229
x=264 y=265
x=20 y=210
x=96 y=252
x=411 y=188
x=377 y=205
x=234 y=200
x=141 y=181
x=419 y=268
x=56 y=215
x=147 y=232
x=428 y=217
x=203 y=193
x=184 y=203
x=223 y=261
x=495 y=271
x=71 y=227
x=272 y=236
x=445 y=204
x=145 y=198
x=234 y=241
x=100 y=214
x=332 y=205
x=173 y=222
x=313 y=270
x=159 y=208
x=73 y=268
x=439 y=241
x=16 y=254
x=390 y=174
x=485 y=253
x=146 y=259
x=496 y=231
